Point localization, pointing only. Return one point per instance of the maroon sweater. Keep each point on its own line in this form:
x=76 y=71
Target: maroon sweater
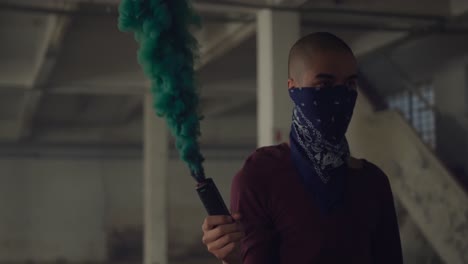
x=283 y=225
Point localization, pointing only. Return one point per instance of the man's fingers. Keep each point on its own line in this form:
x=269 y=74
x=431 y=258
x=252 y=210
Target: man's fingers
x=218 y=232
x=221 y=235
x=225 y=240
x=216 y=220
x=236 y=216
x=224 y=252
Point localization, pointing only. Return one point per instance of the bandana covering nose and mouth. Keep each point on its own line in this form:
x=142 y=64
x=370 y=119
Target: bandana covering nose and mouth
x=319 y=147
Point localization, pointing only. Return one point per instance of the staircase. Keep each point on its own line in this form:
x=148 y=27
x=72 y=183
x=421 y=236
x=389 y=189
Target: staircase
x=434 y=205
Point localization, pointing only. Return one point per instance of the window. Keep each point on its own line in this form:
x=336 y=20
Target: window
x=416 y=107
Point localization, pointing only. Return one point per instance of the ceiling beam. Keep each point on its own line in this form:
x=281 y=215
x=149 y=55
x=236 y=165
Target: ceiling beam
x=395 y=40
x=223 y=107
x=47 y=57
x=369 y=42
x=297 y=6
x=232 y=35
x=228 y=6
x=112 y=151
x=129 y=110
x=100 y=89
x=214 y=131
x=226 y=39
x=384 y=42
x=133 y=89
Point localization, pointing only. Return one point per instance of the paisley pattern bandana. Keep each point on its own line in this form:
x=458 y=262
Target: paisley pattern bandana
x=319 y=147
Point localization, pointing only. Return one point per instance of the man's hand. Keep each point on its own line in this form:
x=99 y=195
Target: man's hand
x=222 y=235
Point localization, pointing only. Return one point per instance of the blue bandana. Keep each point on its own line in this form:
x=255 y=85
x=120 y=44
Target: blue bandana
x=319 y=147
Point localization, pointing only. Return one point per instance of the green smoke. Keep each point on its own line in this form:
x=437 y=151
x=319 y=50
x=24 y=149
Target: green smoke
x=167 y=53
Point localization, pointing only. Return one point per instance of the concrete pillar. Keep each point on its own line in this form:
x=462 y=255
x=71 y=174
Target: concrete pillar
x=155 y=147
x=451 y=97
x=276 y=33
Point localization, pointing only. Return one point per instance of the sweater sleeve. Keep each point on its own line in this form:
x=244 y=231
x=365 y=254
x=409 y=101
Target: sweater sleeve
x=386 y=246
x=249 y=197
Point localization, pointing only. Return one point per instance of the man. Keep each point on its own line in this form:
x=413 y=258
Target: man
x=309 y=201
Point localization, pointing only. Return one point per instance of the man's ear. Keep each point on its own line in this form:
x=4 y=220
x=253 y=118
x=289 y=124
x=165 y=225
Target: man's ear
x=291 y=83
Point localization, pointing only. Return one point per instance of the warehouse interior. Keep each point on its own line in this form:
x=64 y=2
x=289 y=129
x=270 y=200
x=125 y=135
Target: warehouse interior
x=89 y=174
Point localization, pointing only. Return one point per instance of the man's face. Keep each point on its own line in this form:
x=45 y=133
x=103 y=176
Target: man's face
x=327 y=69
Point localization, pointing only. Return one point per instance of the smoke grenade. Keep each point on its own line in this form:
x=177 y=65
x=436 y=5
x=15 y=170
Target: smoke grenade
x=167 y=53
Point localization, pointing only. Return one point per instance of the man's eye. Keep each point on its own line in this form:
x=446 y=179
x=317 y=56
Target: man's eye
x=324 y=84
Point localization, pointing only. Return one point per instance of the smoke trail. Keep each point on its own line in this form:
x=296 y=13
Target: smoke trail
x=166 y=54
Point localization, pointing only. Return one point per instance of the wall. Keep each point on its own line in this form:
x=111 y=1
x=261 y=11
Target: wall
x=61 y=208
x=451 y=95
x=51 y=209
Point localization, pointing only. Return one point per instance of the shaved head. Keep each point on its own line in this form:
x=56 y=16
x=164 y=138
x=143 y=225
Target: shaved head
x=305 y=51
